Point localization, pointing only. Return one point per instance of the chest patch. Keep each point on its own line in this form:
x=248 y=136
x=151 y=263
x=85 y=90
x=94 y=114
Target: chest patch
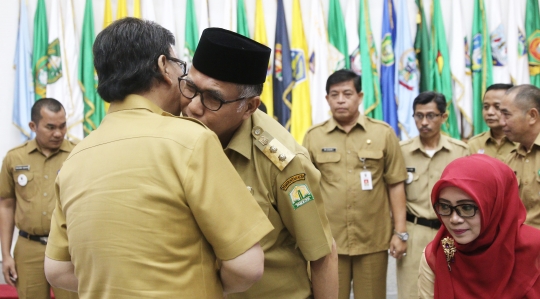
x=300 y=195
x=295 y=178
x=22 y=167
x=329 y=149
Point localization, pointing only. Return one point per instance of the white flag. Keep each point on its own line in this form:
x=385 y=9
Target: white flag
x=63 y=82
x=462 y=86
x=351 y=25
x=518 y=64
x=201 y=8
x=498 y=41
x=318 y=64
x=407 y=75
x=147 y=10
x=223 y=14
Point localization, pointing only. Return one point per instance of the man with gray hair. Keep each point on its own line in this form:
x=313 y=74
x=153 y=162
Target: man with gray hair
x=222 y=90
x=520 y=119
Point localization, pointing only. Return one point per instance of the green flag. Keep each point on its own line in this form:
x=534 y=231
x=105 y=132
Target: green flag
x=481 y=64
x=441 y=75
x=94 y=108
x=241 y=19
x=370 y=75
x=39 y=54
x=337 y=36
x=421 y=46
x=532 y=31
x=192 y=32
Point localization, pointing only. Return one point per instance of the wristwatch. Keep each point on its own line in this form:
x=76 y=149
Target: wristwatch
x=402 y=236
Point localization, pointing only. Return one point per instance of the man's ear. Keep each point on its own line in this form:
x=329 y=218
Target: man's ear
x=533 y=116
x=444 y=116
x=252 y=104
x=33 y=126
x=361 y=96
x=163 y=67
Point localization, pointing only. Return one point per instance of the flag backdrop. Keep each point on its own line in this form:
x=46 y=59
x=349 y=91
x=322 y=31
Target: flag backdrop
x=370 y=75
x=283 y=80
x=192 y=33
x=337 y=37
x=94 y=108
x=39 y=53
x=121 y=9
x=498 y=41
x=481 y=64
x=422 y=45
x=353 y=43
x=532 y=29
x=23 y=97
x=241 y=19
x=301 y=103
x=107 y=14
x=260 y=36
x=518 y=64
x=388 y=65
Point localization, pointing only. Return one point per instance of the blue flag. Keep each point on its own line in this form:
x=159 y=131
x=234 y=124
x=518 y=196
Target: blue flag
x=388 y=65
x=24 y=85
x=282 y=80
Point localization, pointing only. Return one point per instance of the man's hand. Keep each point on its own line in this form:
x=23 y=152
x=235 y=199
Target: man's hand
x=397 y=247
x=9 y=271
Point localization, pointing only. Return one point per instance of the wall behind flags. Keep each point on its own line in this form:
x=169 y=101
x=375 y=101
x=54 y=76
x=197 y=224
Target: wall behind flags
x=219 y=16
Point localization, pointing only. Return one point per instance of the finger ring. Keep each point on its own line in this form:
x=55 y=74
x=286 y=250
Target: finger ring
x=404 y=254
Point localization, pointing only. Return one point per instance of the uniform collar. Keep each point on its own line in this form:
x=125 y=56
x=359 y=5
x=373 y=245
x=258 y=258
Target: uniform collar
x=32 y=145
x=133 y=101
x=443 y=142
x=332 y=124
x=523 y=151
x=503 y=140
x=242 y=142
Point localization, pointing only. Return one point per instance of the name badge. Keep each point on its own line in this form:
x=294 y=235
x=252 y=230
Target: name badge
x=411 y=169
x=22 y=180
x=328 y=149
x=365 y=180
x=481 y=151
x=22 y=167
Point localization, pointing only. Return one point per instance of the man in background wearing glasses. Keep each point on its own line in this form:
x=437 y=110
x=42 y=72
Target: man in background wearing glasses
x=222 y=90
x=362 y=181
x=425 y=156
x=148 y=202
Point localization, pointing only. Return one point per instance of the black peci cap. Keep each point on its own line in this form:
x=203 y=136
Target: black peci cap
x=228 y=56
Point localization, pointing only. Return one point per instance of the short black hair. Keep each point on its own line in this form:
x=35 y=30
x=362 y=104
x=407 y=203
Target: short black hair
x=527 y=96
x=344 y=75
x=499 y=86
x=51 y=104
x=126 y=54
x=428 y=97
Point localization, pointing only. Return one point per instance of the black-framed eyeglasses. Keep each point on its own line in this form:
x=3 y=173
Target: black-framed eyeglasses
x=209 y=98
x=429 y=116
x=464 y=210
x=183 y=64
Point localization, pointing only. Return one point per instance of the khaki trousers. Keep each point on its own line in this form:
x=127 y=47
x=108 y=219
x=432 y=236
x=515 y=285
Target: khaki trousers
x=367 y=273
x=407 y=267
x=31 y=282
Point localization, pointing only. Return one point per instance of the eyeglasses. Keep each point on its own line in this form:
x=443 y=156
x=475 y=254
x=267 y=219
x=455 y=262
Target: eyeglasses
x=209 y=98
x=464 y=210
x=429 y=116
x=182 y=64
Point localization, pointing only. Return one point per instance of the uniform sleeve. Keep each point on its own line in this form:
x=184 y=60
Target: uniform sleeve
x=394 y=164
x=57 y=245
x=307 y=145
x=7 y=187
x=226 y=212
x=426 y=279
x=300 y=205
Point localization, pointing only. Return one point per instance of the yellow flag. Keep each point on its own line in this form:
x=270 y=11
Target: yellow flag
x=137 y=9
x=121 y=10
x=260 y=36
x=107 y=20
x=301 y=104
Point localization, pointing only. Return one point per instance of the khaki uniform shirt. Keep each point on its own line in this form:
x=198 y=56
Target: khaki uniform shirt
x=360 y=219
x=145 y=205
x=526 y=166
x=424 y=171
x=484 y=143
x=28 y=177
x=291 y=198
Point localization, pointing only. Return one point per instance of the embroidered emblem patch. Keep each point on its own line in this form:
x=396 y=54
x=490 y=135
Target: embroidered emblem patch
x=295 y=178
x=300 y=195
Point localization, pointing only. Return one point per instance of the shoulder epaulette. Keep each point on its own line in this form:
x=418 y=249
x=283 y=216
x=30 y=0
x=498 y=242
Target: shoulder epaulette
x=18 y=146
x=458 y=142
x=272 y=148
x=317 y=125
x=405 y=142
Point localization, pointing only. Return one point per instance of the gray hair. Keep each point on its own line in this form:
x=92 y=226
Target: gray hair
x=526 y=97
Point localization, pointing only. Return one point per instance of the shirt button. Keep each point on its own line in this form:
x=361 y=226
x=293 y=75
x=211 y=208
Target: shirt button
x=350 y=171
x=46 y=176
x=44 y=213
x=349 y=206
x=348 y=152
x=527 y=160
x=45 y=194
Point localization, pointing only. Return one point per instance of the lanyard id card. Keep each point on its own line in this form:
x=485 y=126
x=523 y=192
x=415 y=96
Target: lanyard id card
x=365 y=180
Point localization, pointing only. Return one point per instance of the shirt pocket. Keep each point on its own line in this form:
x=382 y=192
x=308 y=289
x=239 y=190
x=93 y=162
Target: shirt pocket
x=28 y=191
x=373 y=160
x=413 y=189
x=328 y=166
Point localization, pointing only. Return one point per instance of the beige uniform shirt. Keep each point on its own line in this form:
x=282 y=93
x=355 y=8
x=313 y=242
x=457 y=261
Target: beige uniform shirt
x=146 y=204
x=526 y=166
x=424 y=171
x=291 y=198
x=360 y=219
x=484 y=143
x=28 y=177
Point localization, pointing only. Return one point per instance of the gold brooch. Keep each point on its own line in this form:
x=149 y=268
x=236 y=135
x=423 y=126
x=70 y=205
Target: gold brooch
x=449 y=250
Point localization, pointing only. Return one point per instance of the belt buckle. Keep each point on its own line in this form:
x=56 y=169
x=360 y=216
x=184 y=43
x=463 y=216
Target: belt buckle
x=43 y=240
